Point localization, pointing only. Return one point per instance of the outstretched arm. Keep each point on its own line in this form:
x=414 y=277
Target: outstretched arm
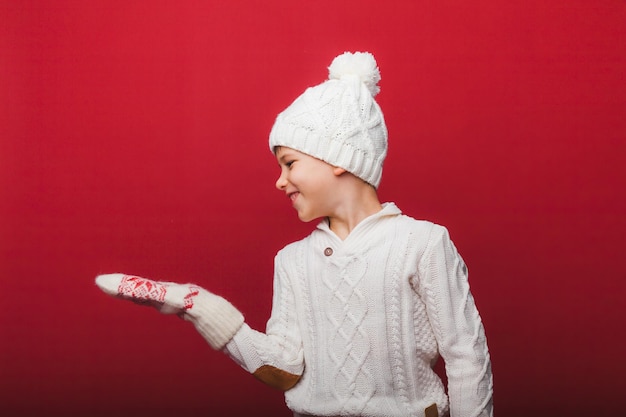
x=222 y=325
x=216 y=319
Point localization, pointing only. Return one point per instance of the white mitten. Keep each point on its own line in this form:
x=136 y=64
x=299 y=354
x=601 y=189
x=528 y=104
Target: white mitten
x=216 y=319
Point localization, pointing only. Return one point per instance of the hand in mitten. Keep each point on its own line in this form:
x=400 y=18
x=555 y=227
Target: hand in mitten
x=216 y=319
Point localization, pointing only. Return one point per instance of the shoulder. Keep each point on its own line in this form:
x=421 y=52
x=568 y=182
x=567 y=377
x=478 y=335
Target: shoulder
x=421 y=232
x=421 y=227
x=408 y=223
x=424 y=236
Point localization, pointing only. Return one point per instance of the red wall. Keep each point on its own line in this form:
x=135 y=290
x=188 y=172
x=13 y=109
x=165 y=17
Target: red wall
x=133 y=138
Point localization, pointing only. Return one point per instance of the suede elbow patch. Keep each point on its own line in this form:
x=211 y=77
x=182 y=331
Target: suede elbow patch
x=431 y=411
x=276 y=378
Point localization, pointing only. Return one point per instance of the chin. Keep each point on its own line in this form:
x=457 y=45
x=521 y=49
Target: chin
x=306 y=218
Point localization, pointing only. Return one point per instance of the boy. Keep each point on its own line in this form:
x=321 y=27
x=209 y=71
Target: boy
x=365 y=304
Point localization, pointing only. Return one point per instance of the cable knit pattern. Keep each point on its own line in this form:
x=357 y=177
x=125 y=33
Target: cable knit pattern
x=396 y=342
x=348 y=345
x=363 y=321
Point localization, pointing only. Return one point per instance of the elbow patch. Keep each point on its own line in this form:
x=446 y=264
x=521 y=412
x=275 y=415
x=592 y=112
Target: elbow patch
x=431 y=411
x=276 y=378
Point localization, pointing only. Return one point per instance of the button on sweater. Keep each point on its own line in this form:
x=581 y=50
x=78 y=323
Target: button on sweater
x=357 y=324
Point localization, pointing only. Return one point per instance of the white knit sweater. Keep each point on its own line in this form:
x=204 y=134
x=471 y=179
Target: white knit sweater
x=363 y=320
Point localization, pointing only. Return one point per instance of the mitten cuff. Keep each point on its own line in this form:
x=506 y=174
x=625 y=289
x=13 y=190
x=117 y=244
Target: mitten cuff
x=215 y=318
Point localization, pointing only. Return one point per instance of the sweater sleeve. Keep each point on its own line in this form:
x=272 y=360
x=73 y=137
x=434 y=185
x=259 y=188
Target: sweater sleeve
x=275 y=357
x=457 y=327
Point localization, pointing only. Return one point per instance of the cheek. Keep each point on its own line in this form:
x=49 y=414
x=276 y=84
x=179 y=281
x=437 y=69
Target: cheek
x=297 y=176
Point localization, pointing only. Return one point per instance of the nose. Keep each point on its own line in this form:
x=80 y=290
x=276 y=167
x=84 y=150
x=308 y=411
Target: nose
x=281 y=182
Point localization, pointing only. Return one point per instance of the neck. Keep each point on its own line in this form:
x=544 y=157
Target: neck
x=357 y=205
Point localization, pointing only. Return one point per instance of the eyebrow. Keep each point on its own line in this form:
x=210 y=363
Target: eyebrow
x=286 y=154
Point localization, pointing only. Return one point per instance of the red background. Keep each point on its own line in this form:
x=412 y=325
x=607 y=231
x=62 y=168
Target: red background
x=134 y=139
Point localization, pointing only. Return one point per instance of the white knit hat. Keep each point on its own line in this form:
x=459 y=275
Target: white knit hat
x=339 y=121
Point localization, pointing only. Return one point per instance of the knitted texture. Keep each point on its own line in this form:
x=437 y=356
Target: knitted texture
x=338 y=121
x=346 y=313
x=366 y=321
x=216 y=319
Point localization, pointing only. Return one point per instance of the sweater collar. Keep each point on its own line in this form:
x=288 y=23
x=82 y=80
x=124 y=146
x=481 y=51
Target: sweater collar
x=389 y=210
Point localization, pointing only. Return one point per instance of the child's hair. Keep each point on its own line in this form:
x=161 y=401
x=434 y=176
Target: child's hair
x=338 y=121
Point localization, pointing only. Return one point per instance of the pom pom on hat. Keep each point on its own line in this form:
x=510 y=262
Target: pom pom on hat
x=360 y=64
x=338 y=121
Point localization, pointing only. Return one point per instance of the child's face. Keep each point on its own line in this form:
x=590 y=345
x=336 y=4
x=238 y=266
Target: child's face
x=308 y=182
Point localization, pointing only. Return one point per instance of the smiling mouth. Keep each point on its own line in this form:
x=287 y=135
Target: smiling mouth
x=293 y=196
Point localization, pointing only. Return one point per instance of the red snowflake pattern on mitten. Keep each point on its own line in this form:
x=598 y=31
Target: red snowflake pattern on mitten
x=141 y=289
x=193 y=291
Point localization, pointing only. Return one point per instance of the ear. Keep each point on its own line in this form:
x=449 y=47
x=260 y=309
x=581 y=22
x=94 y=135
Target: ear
x=338 y=171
